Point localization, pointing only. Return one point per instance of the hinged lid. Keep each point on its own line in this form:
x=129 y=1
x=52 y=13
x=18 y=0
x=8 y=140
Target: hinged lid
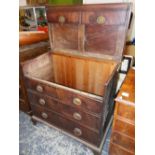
x=92 y=30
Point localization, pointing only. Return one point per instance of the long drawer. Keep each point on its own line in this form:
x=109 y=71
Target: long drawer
x=66 y=124
x=125 y=111
x=77 y=100
x=124 y=127
x=117 y=150
x=92 y=121
x=123 y=140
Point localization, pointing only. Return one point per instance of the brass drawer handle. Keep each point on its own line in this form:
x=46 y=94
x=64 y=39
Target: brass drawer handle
x=77 y=116
x=100 y=20
x=62 y=19
x=77 y=101
x=42 y=101
x=77 y=132
x=39 y=88
x=44 y=115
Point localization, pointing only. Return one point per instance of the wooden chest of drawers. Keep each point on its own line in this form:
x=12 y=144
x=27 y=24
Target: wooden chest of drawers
x=32 y=44
x=123 y=131
x=72 y=87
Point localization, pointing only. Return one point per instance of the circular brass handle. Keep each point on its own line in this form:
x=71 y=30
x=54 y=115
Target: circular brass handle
x=77 y=101
x=62 y=19
x=100 y=20
x=44 y=115
x=42 y=101
x=77 y=132
x=77 y=116
x=39 y=88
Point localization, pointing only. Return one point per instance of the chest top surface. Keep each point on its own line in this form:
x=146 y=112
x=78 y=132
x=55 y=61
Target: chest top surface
x=94 y=30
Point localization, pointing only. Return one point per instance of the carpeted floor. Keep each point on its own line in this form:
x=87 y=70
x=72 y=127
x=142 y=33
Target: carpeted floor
x=39 y=139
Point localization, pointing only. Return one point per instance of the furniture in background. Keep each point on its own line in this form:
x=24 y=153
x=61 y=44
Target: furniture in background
x=127 y=63
x=37 y=2
x=66 y=2
x=130 y=50
x=32 y=18
x=122 y=140
x=31 y=44
x=72 y=87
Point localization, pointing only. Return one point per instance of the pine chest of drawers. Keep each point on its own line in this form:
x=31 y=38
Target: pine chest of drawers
x=72 y=87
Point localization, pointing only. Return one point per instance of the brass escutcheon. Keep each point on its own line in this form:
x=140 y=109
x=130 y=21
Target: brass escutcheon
x=77 y=132
x=42 y=101
x=61 y=19
x=39 y=88
x=77 y=116
x=77 y=101
x=100 y=20
x=44 y=115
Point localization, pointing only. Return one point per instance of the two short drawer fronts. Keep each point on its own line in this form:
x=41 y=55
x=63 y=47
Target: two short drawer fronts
x=108 y=17
x=99 y=19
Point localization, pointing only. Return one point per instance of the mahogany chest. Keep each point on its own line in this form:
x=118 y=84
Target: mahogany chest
x=123 y=131
x=72 y=86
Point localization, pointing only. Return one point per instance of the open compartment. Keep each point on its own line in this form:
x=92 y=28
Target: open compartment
x=81 y=73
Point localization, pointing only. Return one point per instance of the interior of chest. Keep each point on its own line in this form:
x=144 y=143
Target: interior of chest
x=80 y=73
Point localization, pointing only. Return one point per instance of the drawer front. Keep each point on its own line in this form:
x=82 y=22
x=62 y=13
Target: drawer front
x=116 y=150
x=105 y=17
x=81 y=117
x=124 y=141
x=65 y=110
x=66 y=124
x=79 y=101
x=124 y=127
x=63 y=17
x=126 y=111
x=41 y=87
x=44 y=101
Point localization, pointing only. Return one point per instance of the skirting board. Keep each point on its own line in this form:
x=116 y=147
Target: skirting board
x=95 y=149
